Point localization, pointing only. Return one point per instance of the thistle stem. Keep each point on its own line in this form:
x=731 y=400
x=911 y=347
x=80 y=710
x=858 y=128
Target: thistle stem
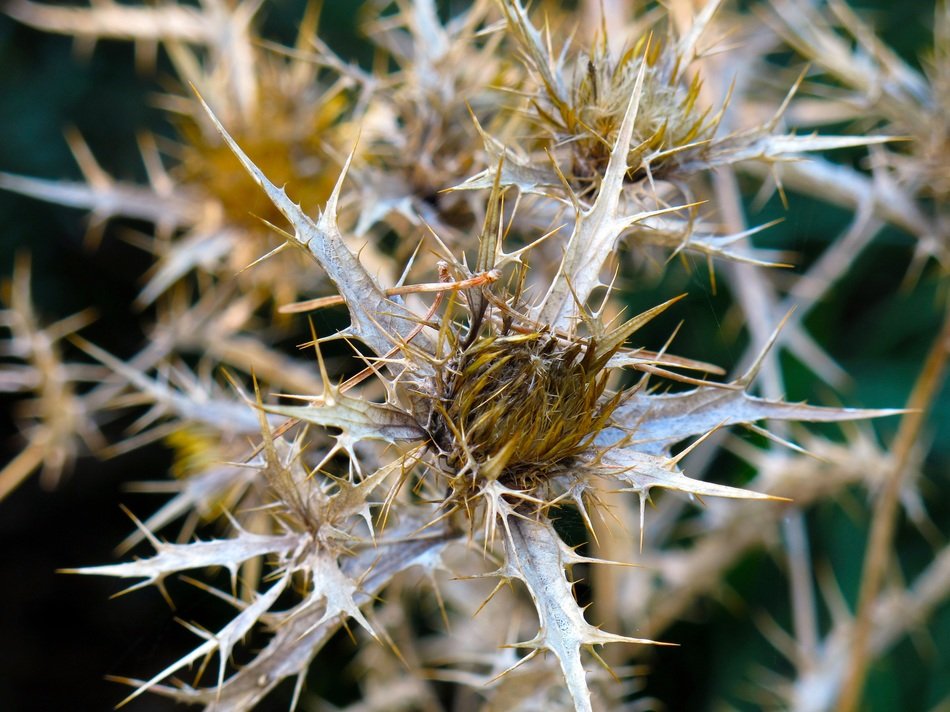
x=877 y=557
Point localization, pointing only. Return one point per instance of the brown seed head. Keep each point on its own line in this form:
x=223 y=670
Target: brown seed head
x=518 y=408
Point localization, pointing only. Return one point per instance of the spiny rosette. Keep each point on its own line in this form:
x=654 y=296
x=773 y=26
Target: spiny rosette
x=583 y=95
x=509 y=406
x=519 y=402
x=516 y=406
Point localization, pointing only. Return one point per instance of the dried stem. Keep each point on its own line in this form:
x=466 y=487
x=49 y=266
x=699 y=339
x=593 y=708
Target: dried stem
x=878 y=554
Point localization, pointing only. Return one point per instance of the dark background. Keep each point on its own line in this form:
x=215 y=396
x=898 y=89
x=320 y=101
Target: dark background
x=60 y=634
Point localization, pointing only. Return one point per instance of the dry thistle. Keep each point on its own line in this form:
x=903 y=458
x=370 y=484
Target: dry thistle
x=581 y=107
x=504 y=466
x=56 y=422
x=490 y=394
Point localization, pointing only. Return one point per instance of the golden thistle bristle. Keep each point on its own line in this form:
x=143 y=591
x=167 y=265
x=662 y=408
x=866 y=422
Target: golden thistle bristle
x=195 y=450
x=519 y=408
x=599 y=88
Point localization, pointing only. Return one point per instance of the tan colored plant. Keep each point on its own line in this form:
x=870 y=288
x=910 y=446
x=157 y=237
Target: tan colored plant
x=493 y=386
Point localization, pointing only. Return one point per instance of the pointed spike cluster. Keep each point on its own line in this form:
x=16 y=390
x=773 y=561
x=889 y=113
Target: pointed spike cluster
x=487 y=399
x=538 y=557
x=377 y=321
x=596 y=230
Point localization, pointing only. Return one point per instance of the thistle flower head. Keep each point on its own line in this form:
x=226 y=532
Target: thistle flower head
x=519 y=408
x=582 y=97
x=599 y=88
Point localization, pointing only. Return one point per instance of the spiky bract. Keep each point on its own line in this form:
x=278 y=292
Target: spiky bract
x=519 y=408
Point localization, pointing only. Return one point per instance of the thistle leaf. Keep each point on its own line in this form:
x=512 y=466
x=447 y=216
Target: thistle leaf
x=301 y=632
x=380 y=323
x=174 y=558
x=357 y=418
x=771 y=148
x=640 y=472
x=222 y=642
x=196 y=249
x=229 y=416
x=176 y=23
x=537 y=556
x=199 y=492
x=107 y=201
x=656 y=423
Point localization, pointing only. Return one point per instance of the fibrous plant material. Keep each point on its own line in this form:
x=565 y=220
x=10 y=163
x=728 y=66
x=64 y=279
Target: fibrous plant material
x=55 y=423
x=472 y=198
x=503 y=413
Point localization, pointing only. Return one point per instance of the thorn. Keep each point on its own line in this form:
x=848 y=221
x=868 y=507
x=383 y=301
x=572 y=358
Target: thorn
x=747 y=379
